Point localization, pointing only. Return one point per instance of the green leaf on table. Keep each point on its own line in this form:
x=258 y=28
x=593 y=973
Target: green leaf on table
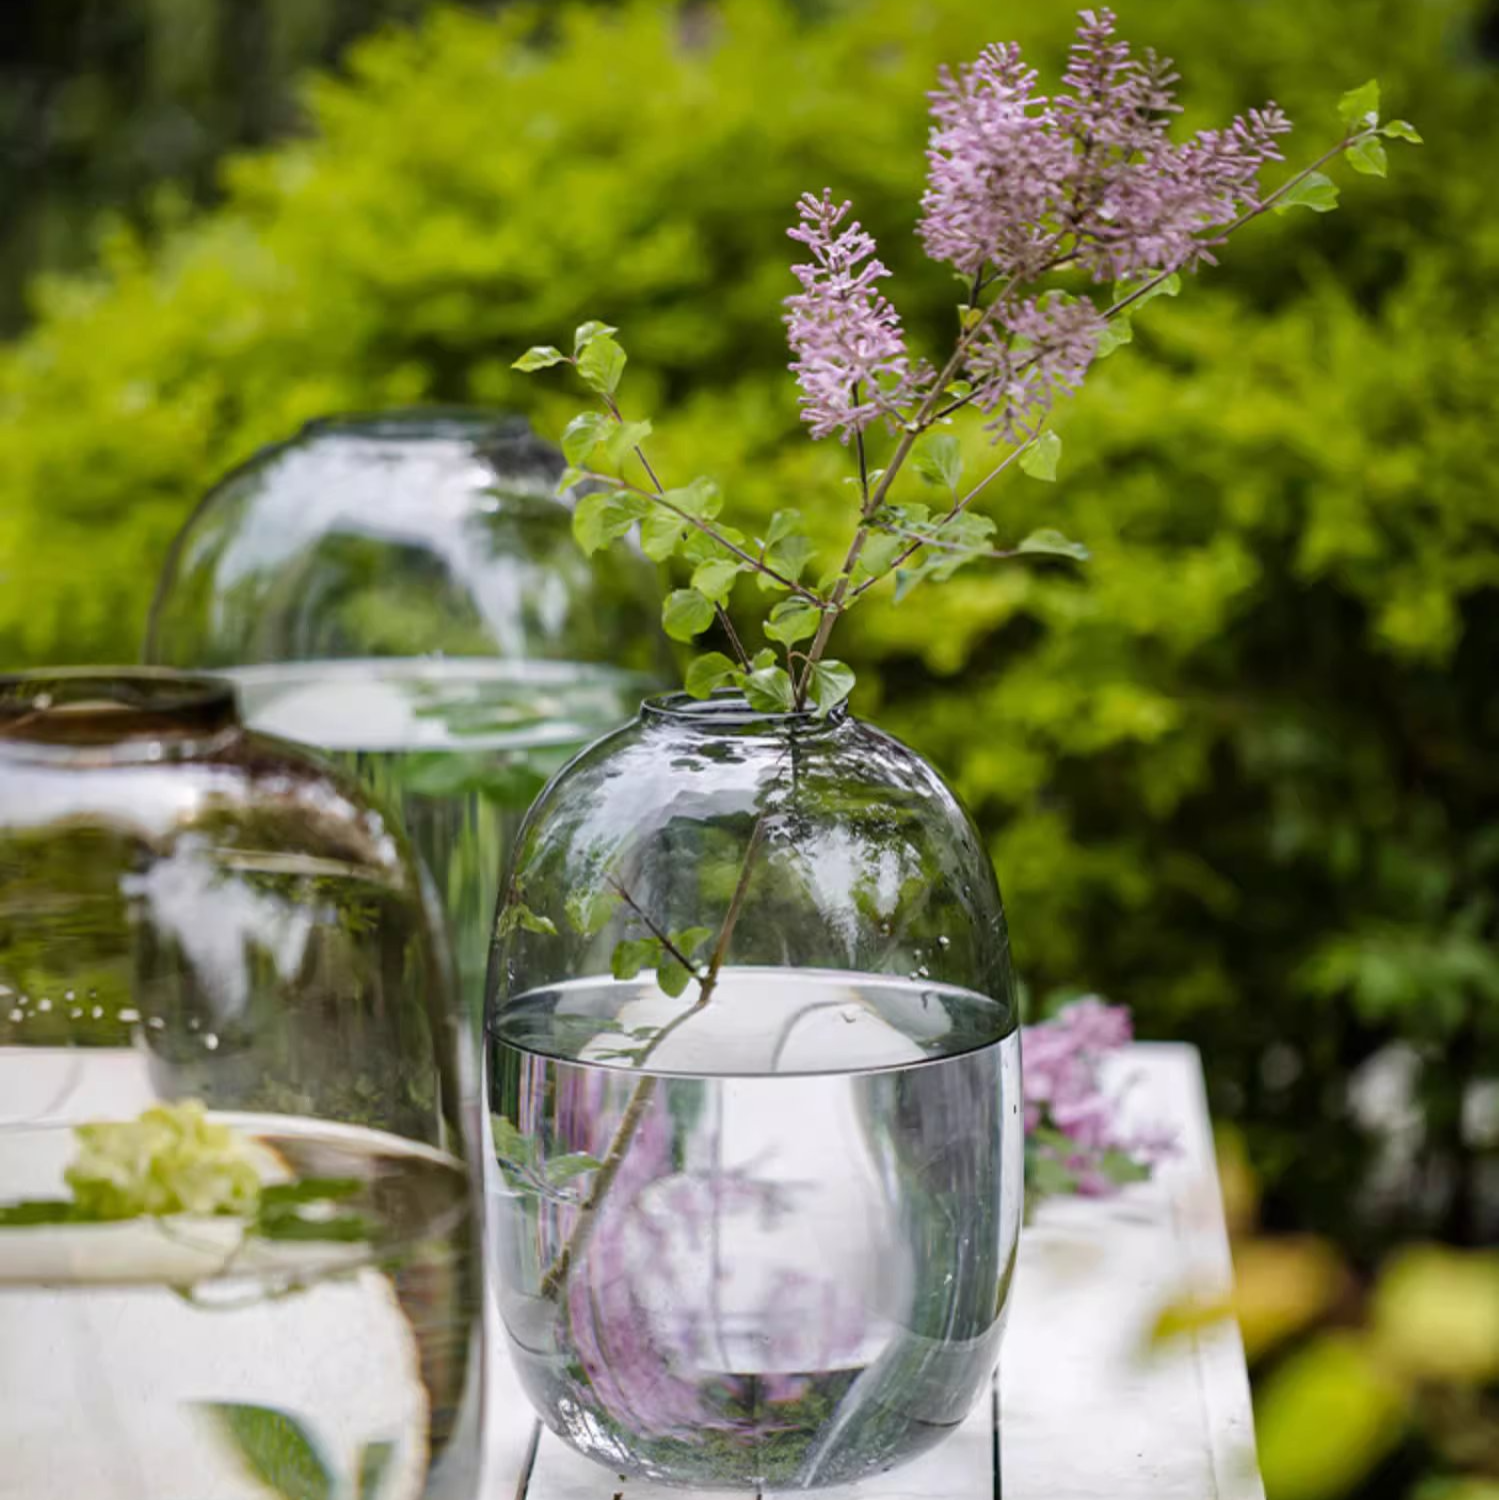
x=631 y=955
x=374 y=1460
x=276 y=1449
x=562 y=1169
x=1401 y=130
x=769 y=690
x=587 y=332
x=1317 y=191
x=714 y=579
x=588 y=911
x=661 y=533
x=31 y=1211
x=1040 y=459
x=582 y=435
x=1051 y=543
x=672 y=976
x=605 y=517
x=793 y=620
x=939 y=460
x=1117 y=332
x=518 y=917
x=1359 y=108
x=623 y=438
x=711 y=670
x=831 y=682
x=539 y=357
x=685 y=614
x=1368 y=156
x=601 y=363
x=1121 y=1168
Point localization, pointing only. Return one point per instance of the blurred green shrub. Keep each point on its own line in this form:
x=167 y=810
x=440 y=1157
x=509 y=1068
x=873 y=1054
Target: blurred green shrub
x=1240 y=773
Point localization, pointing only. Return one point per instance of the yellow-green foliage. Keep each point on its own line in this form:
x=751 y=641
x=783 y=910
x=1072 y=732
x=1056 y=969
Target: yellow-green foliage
x=1240 y=772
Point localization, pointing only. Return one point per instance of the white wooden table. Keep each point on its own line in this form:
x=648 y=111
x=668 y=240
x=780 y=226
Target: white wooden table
x=1081 y=1410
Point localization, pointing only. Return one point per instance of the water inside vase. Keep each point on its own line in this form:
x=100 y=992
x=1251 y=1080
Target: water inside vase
x=456 y=748
x=763 y=1242
x=330 y=1351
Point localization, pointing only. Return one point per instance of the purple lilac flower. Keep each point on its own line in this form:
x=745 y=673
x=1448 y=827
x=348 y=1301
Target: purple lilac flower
x=1066 y=1106
x=851 y=358
x=996 y=167
x=1029 y=355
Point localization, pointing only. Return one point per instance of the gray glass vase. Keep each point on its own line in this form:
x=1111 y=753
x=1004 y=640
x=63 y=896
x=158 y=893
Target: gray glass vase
x=753 y=1077
x=403 y=589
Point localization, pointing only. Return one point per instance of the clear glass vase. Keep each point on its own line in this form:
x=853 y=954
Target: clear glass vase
x=237 y=1239
x=403 y=590
x=753 y=1078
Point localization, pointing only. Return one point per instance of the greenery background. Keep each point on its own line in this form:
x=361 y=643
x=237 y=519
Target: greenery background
x=1242 y=772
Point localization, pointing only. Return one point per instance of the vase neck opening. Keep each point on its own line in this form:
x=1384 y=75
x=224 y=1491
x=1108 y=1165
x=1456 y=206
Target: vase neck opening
x=89 y=709
x=729 y=713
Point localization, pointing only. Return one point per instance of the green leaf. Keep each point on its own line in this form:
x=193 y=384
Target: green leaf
x=1368 y=156
x=769 y=690
x=1121 y=1168
x=830 y=684
x=587 y=332
x=661 y=533
x=287 y=1224
x=1359 y=107
x=309 y=1190
x=276 y=1449
x=588 y=911
x=1167 y=286
x=714 y=579
x=1317 y=191
x=690 y=939
x=881 y=548
x=1115 y=333
x=631 y=955
x=685 y=614
x=517 y=916
x=623 y=438
x=374 y=1460
x=939 y=460
x=38 y=1211
x=604 y=517
x=561 y=1169
x=672 y=976
x=711 y=670
x=1401 y=130
x=582 y=435
x=783 y=523
x=568 y=478
x=764 y=657
x=509 y=1143
x=601 y=364
x=1040 y=459
x=793 y=620
x=539 y=357
x=701 y=498
x=1051 y=543
x=788 y=555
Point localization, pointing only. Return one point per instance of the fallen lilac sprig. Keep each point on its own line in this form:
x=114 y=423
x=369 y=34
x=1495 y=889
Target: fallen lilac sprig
x=1075 y=1141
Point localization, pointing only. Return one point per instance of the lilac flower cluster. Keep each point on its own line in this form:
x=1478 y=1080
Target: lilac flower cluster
x=851 y=359
x=1017 y=182
x=1020 y=185
x=1075 y=1141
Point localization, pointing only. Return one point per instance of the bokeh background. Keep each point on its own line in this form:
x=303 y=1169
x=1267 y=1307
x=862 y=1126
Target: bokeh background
x=1241 y=772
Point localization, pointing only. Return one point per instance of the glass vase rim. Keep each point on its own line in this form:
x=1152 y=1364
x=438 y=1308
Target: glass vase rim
x=419 y=423
x=92 y=708
x=728 y=711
